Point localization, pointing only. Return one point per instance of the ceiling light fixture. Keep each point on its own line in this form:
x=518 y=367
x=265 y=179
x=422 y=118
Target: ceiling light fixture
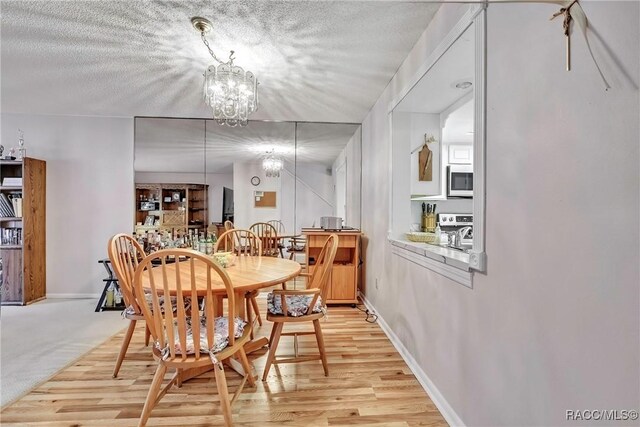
x=272 y=165
x=463 y=85
x=231 y=92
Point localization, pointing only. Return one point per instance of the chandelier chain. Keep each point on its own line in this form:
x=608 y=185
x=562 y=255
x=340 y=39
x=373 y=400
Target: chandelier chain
x=206 y=43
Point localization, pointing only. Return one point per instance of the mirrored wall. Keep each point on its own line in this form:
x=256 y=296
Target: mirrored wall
x=195 y=174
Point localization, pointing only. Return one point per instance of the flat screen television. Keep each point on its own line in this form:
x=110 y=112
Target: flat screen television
x=227 y=204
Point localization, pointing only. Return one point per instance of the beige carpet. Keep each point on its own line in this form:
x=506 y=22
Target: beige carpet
x=38 y=340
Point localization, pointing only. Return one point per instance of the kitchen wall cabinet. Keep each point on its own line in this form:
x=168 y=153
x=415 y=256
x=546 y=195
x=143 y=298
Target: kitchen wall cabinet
x=343 y=283
x=461 y=154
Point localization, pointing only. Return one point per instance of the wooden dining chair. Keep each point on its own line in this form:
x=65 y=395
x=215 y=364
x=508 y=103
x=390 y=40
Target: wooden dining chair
x=269 y=237
x=280 y=229
x=308 y=305
x=243 y=243
x=228 y=225
x=125 y=253
x=240 y=242
x=191 y=336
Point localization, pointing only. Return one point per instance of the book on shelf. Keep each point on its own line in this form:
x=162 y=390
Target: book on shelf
x=11 y=181
x=17 y=206
x=6 y=206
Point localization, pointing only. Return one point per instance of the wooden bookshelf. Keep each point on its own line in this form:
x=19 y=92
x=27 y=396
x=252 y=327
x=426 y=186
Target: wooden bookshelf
x=24 y=263
x=174 y=206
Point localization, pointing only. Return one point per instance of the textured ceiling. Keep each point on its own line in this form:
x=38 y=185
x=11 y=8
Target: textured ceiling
x=180 y=145
x=316 y=61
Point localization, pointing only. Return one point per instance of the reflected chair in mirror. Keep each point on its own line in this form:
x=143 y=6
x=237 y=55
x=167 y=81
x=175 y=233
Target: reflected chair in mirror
x=125 y=253
x=280 y=229
x=297 y=245
x=269 y=237
x=243 y=242
x=191 y=337
x=296 y=306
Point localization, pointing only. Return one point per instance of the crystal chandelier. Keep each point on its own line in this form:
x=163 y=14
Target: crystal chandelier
x=231 y=92
x=272 y=165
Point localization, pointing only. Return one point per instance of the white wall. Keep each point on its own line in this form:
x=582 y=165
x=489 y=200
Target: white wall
x=352 y=156
x=310 y=195
x=553 y=324
x=89 y=191
x=216 y=182
x=245 y=214
x=314 y=194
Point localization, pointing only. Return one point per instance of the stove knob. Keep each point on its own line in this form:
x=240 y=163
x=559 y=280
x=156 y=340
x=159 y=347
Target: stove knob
x=444 y=219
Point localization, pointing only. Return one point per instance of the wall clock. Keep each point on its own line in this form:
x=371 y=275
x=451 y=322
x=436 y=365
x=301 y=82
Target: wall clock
x=255 y=181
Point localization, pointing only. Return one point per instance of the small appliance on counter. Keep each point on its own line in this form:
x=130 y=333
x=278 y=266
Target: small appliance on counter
x=331 y=223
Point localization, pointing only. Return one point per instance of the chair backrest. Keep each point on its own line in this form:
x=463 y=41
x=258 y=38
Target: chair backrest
x=268 y=235
x=278 y=225
x=239 y=241
x=322 y=268
x=228 y=225
x=125 y=253
x=194 y=271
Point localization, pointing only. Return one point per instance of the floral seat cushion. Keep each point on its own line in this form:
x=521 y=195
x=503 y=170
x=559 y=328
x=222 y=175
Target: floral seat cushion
x=149 y=299
x=297 y=305
x=220 y=339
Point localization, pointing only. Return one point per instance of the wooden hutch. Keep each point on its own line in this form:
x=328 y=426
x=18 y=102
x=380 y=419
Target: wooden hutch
x=343 y=283
x=171 y=206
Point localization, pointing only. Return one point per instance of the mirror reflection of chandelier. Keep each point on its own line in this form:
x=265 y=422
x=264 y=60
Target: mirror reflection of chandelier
x=231 y=92
x=272 y=165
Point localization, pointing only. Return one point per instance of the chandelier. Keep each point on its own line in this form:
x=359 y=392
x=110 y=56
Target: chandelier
x=272 y=165
x=231 y=92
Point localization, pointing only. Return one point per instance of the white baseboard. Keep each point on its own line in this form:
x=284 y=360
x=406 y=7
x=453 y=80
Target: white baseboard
x=73 y=296
x=429 y=387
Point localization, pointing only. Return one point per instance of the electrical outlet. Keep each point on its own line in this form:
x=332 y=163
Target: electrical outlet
x=376 y=283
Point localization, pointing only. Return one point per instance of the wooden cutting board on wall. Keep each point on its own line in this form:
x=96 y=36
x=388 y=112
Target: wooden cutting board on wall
x=425 y=164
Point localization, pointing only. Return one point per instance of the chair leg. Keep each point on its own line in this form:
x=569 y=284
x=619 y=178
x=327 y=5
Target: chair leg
x=323 y=354
x=152 y=395
x=223 y=392
x=247 y=367
x=273 y=347
x=147 y=335
x=256 y=309
x=249 y=314
x=124 y=347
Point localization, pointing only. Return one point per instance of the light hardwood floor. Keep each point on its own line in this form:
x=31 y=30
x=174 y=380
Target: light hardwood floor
x=369 y=384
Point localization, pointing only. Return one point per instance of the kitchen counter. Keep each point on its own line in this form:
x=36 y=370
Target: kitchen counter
x=439 y=253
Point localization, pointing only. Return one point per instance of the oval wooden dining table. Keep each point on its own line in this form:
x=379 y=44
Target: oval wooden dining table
x=247 y=274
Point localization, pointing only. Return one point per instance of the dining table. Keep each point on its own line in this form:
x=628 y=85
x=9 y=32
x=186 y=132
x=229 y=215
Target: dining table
x=248 y=273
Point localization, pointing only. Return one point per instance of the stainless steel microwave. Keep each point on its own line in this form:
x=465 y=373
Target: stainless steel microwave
x=460 y=181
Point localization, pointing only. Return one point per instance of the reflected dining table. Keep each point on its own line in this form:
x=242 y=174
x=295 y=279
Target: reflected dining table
x=249 y=273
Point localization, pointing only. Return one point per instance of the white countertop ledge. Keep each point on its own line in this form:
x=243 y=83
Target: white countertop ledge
x=447 y=262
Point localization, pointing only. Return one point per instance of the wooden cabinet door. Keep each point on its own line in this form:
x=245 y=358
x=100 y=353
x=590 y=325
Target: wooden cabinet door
x=343 y=283
x=11 y=276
